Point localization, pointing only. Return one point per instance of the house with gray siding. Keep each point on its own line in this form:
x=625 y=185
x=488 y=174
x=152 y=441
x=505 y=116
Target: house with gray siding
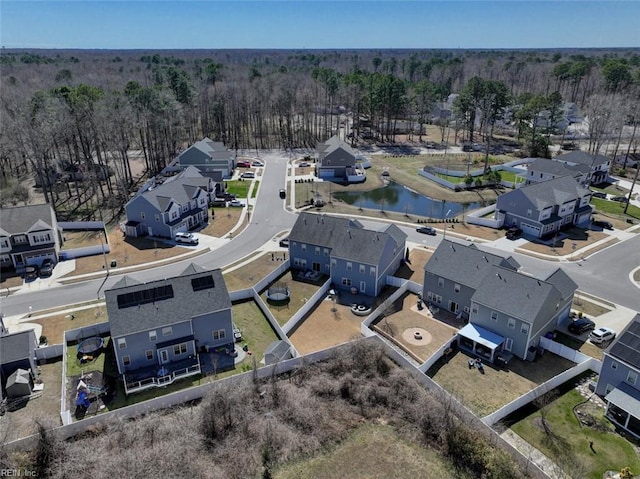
x=17 y=351
x=356 y=258
x=543 y=169
x=207 y=156
x=619 y=376
x=165 y=206
x=507 y=311
x=159 y=328
x=598 y=165
x=337 y=162
x=542 y=209
x=28 y=236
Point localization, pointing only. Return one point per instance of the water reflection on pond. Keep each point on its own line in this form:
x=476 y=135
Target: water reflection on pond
x=396 y=197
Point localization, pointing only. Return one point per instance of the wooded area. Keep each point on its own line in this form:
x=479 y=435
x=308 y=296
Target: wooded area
x=74 y=117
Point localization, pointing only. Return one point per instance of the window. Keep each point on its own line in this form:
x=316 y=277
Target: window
x=153 y=336
x=528 y=212
x=293 y=243
x=142 y=214
x=346 y=282
x=303 y=246
x=157 y=217
x=122 y=343
x=372 y=270
x=349 y=265
x=362 y=269
x=429 y=296
x=512 y=323
x=494 y=316
x=168 y=331
x=441 y=282
x=524 y=329
x=149 y=354
x=219 y=334
x=326 y=251
x=126 y=360
x=474 y=308
x=174 y=215
x=317 y=250
x=333 y=263
x=632 y=377
x=300 y=262
x=456 y=288
x=438 y=298
x=179 y=349
x=466 y=309
x=614 y=365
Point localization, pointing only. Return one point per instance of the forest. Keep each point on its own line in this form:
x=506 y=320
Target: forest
x=72 y=118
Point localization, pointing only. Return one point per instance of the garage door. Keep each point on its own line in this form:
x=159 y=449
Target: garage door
x=530 y=230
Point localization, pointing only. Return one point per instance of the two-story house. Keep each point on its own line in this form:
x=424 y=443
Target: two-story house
x=28 y=236
x=507 y=311
x=179 y=203
x=598 y=164
x=619 y=382
x=355 y=257
x=337 y=162
x=207 y=156
x=543 y=169
x=541 y=209
x=158 y=328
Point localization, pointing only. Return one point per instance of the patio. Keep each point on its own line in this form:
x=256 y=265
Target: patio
x=159 y=375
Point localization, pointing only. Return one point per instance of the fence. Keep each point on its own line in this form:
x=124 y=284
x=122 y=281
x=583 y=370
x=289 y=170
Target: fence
x=86 y=332
x=49 y=352
x=567 y=352
x=276 y=273
x=308 y=306
x=476 y=218
x=424 y=367
x=81 y=225
x=85 y=251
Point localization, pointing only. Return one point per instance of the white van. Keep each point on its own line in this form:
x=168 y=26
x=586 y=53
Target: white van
x=188 y=238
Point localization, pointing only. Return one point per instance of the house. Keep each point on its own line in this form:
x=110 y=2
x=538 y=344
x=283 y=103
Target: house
x=165 y=206
x=543 y=169
x=159 y=328
x=17 y=351
x=542 y=209
x=355 y=257
x=207 y=156
x=507 y=310
x=598 y=164
x=28 y=236
x=337 y=162
x=618 y=381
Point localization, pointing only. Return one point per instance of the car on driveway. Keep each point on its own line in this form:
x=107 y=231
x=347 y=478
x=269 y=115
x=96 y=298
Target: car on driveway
x=30 y=272
x=187 y=238
x=427 y=230
x=599 y=194
x=581 y=325
x=284 y=242
x=248 y=174
x=513 y=233
x=602 y=224
x=236 y=203
x=257 y=164
x=243 y=164
x=47 y=268
x=602 y=335
x=620 y=199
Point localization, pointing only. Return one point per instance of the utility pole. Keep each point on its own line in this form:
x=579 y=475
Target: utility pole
x=635 y=178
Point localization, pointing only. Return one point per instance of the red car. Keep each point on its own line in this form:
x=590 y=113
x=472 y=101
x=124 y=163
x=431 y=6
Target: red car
x=243 y=164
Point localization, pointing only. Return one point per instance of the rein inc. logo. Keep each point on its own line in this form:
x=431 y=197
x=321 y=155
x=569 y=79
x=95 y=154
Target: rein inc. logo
x=18 y=473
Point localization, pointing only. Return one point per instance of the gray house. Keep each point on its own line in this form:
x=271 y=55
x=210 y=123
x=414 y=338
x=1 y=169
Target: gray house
x=543 y=169
x=165 y=206
x=508 y=311
x=337 y=162
x=598 y=165
x=541 y=209
x=618 y=380
x=207 y=156
x=17 y=351
x=28 y=236
x=355 y=257
x=159 y=328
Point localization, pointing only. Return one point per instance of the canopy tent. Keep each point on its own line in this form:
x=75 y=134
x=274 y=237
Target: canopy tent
x=479 y=341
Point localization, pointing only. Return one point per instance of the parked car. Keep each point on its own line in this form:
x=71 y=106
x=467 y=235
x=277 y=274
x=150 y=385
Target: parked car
x=257 y=164
x=599 y=194
x=620 y=199
x=188 y=238
x=602 y=224
x=284 y=242
x=427 y=230
x=219 y=202
x=236 y=203
x=304 y=164
x=581 y=325
x=602 y=335
x=513 y=233
x=237 y=334
x=248 y=174
x=283 y=193
x=30 y=272
x=243 y=164
x=47 y=268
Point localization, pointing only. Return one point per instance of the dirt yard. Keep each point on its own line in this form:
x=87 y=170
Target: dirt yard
x=579 y=238
x=54 y=326
x=248 y=275
x=414 y=270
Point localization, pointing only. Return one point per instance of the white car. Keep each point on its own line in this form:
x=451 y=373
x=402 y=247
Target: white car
x=248 y=174
x=602 y=335
x=257 y=164
x=236 y=203
x=187 y=238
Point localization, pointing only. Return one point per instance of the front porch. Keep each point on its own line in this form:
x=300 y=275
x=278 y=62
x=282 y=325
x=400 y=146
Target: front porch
x=160 y=375
x=479 y=342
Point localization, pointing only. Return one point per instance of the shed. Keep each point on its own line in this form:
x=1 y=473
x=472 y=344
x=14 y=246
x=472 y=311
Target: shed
x=277 y=351
x=19 y=384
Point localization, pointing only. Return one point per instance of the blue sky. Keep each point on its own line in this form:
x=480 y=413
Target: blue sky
x=308 y=24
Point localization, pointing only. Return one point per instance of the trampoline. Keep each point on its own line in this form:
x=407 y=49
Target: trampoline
x=91 y=345
x=278 y=294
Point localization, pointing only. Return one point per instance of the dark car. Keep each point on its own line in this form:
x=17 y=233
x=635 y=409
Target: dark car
x=620 y=199
x=581 y=325
x=283 y=193
x=599 y=194
x=602 y=224
x=30 y=272
x=427 y=230
x=513 y=233
x=47 y=268
x=284 y=242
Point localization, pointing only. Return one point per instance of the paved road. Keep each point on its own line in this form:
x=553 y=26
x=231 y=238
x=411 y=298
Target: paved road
x=606 y=274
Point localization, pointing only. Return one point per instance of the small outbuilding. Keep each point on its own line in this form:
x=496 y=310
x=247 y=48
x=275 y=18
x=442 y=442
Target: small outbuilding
x=19 y=384
x=277 y=351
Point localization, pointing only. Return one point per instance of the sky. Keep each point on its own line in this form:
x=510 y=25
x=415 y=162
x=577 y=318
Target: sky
x=318 y=24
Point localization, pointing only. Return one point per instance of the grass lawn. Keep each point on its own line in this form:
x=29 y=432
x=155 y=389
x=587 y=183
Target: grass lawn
x=299 y=294
x=75 y=367
x=53 y=327
x=256 y=330
x=221 y=221
x=379 y=453
x=567 y=440
x=451 y=179
x=239 y=188
x=615 y=208
x=248 y=275
x=589 y=308
x=612 y=189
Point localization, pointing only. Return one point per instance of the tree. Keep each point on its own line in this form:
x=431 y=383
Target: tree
x=616 y=74
x=495 y=99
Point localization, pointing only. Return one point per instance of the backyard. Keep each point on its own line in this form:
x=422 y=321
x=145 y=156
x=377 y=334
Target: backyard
x=300 y=292
x=248 y=275
x=257 y=333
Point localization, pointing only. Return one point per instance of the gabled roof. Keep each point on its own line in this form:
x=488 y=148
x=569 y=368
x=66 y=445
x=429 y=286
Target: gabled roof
x=543 y=195
x=26 y=219
x=516 y=294
x=186 y=301
x=583 y=158
x=466 y=265
x=17 y=346
x=181 y=188
x=563 y=282
x=551 y=167
x=332 y=145
x=626 y=347
x=347 y=239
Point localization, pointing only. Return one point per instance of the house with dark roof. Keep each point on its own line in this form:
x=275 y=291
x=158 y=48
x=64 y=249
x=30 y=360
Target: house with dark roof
x=207 y=156
x=543 y=169
x=541 y=209
x=166 y=206
x=337 y=162
x=619 y=382
x=17 y=351
x=507 y=310
x=159 y=328
x=28 y=236
x=356 y=258
x=598 y=165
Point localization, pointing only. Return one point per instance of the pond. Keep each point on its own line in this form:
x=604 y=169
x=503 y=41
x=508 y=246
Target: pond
x=397 y=197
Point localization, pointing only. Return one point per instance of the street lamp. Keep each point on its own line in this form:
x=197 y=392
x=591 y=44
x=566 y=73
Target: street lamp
x=444 y=234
